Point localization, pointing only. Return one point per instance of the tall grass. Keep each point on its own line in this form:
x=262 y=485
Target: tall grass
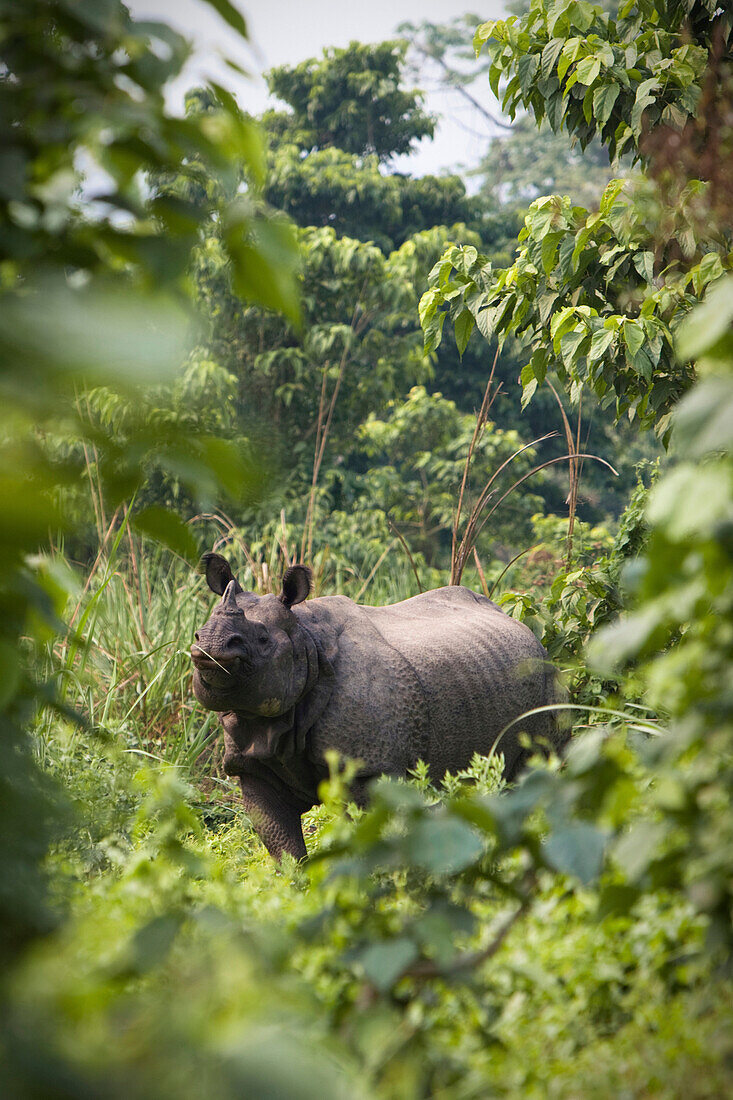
x=124 y=664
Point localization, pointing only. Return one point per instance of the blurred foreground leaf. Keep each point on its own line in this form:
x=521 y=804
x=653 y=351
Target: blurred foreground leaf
x=168 y=528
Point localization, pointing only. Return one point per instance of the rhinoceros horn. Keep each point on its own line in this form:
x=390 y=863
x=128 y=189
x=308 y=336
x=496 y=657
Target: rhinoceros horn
x=227 y=634
x=229 y=600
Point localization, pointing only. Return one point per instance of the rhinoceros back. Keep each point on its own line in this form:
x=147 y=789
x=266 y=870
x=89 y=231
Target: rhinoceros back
x=478 y=670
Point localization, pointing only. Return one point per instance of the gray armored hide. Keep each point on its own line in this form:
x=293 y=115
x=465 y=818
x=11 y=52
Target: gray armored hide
x=437 y=677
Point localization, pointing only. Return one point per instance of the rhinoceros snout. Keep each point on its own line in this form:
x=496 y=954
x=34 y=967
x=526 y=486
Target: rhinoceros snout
x=230 y=659
x=217 y=672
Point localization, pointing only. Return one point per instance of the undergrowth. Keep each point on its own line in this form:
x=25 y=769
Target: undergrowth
x=396 y=963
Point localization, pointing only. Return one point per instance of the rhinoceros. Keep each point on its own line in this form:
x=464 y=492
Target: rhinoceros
x=435 y=677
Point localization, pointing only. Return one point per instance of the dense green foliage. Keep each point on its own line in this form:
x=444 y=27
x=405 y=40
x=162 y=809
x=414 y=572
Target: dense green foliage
x=615 y=75
x=584 y=298
x=357 y=352
x=83 y=305
x=590 y=290
x=686 y=846
x=523 y=160
x=570 y=936
x=349 y=193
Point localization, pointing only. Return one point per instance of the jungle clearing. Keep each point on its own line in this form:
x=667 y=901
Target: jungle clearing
x=257 y=335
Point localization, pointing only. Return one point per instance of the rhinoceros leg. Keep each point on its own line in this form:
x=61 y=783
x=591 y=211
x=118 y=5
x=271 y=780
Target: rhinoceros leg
x=276 y=822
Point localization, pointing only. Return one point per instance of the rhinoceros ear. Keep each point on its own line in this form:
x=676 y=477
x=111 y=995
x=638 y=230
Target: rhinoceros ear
x=296 y=585
x=218 y=573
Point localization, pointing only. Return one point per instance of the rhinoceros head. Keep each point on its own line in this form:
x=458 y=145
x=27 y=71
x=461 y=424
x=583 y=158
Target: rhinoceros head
x=250 y=655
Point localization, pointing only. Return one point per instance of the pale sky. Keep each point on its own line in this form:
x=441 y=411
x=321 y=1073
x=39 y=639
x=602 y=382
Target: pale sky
x=288 y=31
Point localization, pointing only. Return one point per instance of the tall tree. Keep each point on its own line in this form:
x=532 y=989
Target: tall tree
x=352 y=98
x=349 y=115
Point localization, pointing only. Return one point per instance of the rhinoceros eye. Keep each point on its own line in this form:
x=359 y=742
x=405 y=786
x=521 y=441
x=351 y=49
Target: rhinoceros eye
x=263 y=636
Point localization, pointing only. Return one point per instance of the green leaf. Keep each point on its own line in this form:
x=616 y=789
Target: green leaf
x=148 y=947
x=588 y=69
x=581 y=240
x=625 y=638
x=603 y=101
x=168 y=528
x=549 y=251
x=550 y=54
x=707 y=271
x=562 y=321
x=581 y=15
x=617 y=899
x=264 y=258
x=241 y=475
x=494 y=78
x=443 y=845
x=397 y=796
x=703 y=420
x=510 y=809
x=463 y=328
x=624 y=134
x=526 y=69
x=674 y=116
x=636 y=849
x=690 y=501
x=544 y=215
x=702 y=328
x=230 y=15
x=571 y=345
x=528 y=391
x=585 y=752
x=643 y=99
x=545 y=304
x=569 y=54
x=643 y=364
x=428 y=305
x=600 y=343
x=504 y=311
x=483 y=34
x=634 y=337
x=386 y=960
x=438 y=927
x=433 y=331
x=469 y=256
x=644 y=264
x=483 y=315
x=111 y=335
x=530 y=378
x=577 y=849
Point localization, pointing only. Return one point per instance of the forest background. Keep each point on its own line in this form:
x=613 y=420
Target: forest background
x=235 y=334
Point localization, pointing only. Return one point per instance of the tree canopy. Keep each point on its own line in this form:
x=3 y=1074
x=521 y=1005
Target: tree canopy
x=351 y=98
